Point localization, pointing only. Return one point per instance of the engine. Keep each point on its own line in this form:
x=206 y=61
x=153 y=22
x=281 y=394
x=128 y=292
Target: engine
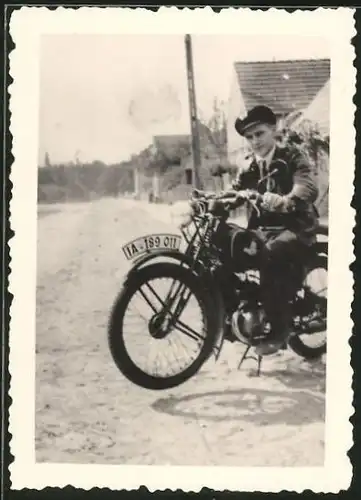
x=249 y=323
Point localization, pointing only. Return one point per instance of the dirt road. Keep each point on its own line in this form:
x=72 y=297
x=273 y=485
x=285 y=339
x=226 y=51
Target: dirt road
x=86 y=412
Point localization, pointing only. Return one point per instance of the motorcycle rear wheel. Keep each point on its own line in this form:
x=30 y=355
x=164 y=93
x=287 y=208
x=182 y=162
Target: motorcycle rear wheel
x=116 y=331
x=296 y=343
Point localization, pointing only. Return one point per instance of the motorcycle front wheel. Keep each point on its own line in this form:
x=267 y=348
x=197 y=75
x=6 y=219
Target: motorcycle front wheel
x=154 y=345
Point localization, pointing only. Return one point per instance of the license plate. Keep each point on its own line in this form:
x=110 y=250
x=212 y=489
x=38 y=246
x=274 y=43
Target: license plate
x=151 y=243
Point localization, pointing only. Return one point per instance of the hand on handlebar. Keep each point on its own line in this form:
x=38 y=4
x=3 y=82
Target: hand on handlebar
x=198 y=194
x=224 y=195
x=249 y=195
x=245 y=194
x=252 y=197
x=230 y=199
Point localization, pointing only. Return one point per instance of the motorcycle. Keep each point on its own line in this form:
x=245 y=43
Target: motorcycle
x=216 y=273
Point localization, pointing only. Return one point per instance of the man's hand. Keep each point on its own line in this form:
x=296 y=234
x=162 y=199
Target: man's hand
x=255 y=196
x=249 y=194
x=273 y=202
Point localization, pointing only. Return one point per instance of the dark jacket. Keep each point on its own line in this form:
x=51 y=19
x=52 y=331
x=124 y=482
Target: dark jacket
x=290 y=177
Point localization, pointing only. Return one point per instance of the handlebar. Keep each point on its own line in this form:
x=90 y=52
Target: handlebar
x=229 y=199
x=220 y=203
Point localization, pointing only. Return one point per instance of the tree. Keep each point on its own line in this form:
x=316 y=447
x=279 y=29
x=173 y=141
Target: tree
x=215 y=129
x=306 y=136
x=309 y=139
x=47 y=160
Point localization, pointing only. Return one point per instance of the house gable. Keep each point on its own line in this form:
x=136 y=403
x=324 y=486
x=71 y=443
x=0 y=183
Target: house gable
x=319 y=110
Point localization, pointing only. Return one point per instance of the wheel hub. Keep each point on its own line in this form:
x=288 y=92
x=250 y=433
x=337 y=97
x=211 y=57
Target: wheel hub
x=159 y=326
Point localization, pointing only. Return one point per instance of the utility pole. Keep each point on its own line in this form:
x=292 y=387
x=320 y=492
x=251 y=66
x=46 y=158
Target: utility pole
x=193 y=115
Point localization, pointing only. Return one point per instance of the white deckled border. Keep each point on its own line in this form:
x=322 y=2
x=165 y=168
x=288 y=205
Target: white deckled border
x=27 y=24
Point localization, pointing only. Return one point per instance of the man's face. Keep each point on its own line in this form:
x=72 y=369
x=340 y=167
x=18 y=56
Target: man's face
x=261 y=138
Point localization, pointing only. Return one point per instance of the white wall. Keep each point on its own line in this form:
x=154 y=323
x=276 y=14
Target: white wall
x=319 y=109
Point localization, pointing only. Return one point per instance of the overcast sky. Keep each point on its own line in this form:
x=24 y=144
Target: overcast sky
x=104 y=97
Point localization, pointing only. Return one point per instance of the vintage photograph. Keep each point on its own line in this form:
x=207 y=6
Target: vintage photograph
x=183 y=213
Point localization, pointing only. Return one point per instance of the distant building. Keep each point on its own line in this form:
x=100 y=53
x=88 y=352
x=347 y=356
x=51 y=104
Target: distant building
x=171 y=145
x=286 y=87
x=178 y=149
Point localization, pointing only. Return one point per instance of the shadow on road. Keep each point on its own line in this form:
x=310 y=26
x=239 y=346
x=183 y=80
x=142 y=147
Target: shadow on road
x=258 y=406
x=311 y=380
x=295 y=373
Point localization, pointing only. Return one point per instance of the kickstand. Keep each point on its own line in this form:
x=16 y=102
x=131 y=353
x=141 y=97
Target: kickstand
x=258 y=359
x=259 y=362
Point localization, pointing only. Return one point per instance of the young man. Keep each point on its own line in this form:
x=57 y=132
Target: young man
x=288 y=219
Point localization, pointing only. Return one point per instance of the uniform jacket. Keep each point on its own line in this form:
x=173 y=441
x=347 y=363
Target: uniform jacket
x=290 y=190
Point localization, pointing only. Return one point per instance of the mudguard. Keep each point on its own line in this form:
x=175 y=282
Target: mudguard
x=156 y=254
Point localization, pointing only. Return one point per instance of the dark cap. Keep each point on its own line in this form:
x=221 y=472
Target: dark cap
x=257 y=115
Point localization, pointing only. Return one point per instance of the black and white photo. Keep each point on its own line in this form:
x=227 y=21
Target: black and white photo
x=183 y=234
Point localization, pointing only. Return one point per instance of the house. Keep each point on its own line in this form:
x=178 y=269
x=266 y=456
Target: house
x=177 y=151
x=285 y=86
x=171 y=146
x=174 y=145
x=319 y=110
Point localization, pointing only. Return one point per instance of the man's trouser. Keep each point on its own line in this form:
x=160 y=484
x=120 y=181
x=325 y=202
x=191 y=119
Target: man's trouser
x=281 y=277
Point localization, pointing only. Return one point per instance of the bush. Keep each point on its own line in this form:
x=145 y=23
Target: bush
x=307 y=138
x=60 y=183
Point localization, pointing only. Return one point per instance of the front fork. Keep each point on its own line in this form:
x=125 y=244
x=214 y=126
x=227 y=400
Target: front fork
x=178 y=300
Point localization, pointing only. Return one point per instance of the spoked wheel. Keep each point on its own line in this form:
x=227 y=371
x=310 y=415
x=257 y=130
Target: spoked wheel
x=159 y=331
x=311 y=341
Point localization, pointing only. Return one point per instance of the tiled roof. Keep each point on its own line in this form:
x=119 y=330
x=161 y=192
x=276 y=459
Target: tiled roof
x=283 y=85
